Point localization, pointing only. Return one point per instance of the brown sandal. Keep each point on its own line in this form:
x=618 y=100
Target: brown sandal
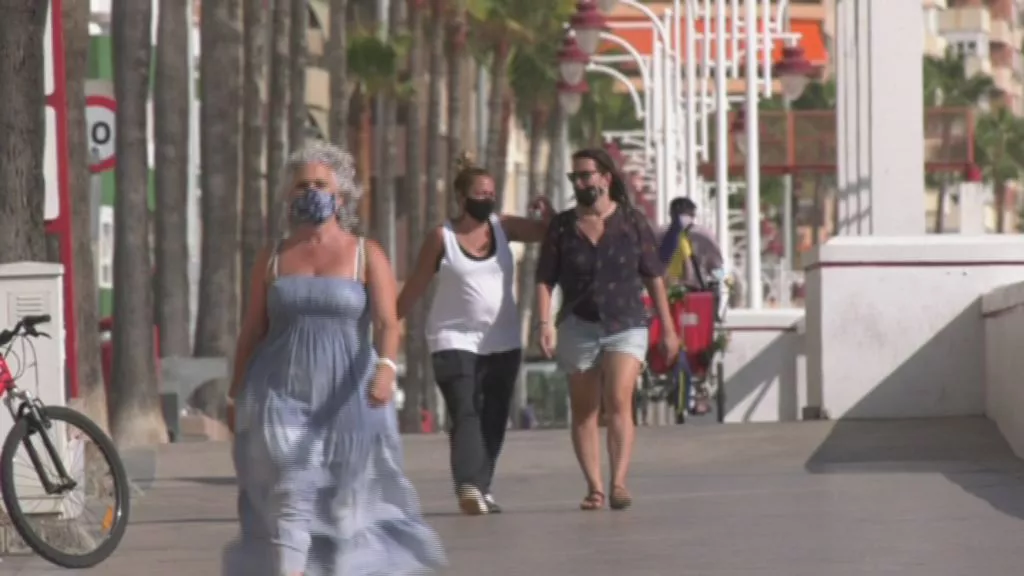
x=620 y=499
x=593 y=501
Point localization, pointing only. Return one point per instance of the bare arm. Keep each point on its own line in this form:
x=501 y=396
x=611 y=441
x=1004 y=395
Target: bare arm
x=519 y=229
x=652 y=269
x=380 y=281
x=656 y=289
x=426 y=266
x=254 y=324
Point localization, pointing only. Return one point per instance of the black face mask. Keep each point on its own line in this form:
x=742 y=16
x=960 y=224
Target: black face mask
x=586 y=197
x=479 y=209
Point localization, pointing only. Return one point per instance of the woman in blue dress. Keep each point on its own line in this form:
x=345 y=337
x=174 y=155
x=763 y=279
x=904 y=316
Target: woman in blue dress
x=317 y=449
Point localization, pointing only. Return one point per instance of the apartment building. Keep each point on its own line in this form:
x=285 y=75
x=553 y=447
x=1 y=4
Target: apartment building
x=989 y=34
x=934 y=43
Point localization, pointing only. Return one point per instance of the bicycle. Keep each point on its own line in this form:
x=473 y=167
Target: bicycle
x=35 y=421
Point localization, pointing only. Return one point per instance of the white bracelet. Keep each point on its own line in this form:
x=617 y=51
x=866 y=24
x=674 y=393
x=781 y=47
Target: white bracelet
x=389 y=363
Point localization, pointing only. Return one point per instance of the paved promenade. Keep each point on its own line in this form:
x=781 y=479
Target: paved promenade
x=916 y=498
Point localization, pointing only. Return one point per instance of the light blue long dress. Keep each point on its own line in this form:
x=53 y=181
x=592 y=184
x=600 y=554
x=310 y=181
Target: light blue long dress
x=321 y=485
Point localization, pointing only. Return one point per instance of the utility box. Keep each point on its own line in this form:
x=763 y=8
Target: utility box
x=29 y=289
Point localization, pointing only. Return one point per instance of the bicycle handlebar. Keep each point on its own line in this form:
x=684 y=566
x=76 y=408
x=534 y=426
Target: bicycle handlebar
x=25 y=327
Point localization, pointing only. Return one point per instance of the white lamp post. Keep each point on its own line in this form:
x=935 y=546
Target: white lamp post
x=572 y=61
x=794 y=72
x=570 y=96
x=588 y=23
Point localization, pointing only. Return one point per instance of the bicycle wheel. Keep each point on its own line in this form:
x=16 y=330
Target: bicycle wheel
x=89 y=464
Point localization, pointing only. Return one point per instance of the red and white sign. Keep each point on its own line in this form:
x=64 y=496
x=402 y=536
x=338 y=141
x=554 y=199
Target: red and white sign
x=100 y=119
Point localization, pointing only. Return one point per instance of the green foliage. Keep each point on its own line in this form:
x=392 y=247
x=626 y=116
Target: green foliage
x=603 y=109
x=999 y=145
x=946 y=82
x=376 y=64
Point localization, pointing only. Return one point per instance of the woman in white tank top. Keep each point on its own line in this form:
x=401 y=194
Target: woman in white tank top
x=473 y=328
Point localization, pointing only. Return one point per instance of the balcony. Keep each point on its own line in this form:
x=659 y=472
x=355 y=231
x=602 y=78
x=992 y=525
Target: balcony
x=935 y=46
x=974 y=65
x=1005 y=82
x=973 y=19
x=1002 y=33
x=940 y=4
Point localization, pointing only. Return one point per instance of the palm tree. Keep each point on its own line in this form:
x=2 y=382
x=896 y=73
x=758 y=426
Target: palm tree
x=279 y=80
x=373 y=67
x=416 y=369
x=999 y=150
x=456 y=57
x=90 y=374
x=136 y=415
x=298 y=115
x=253 y=139
x=500 y=26
x=533 y=78
x=170 y=116
x=337 y=58
x=435 y=209
x=221 y=69
x=946 y=84
x=22 y=25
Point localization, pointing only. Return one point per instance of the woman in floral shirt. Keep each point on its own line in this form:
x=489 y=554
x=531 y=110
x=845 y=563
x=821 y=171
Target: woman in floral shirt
x=602 y=254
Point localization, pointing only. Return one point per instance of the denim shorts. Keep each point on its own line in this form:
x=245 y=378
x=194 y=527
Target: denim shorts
x=580 y=344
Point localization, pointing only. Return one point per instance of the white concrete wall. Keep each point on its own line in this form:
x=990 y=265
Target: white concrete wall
x=1003 y=316
x=894 y=325
x=765 y=370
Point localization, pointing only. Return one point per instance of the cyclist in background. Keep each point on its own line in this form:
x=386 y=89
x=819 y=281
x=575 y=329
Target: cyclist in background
x=689 y=250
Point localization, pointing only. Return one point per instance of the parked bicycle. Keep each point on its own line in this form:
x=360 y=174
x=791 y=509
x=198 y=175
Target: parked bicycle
x=53 y=462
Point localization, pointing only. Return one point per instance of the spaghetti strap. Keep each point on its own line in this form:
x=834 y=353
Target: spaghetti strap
x=272 y=263
x=361 y=261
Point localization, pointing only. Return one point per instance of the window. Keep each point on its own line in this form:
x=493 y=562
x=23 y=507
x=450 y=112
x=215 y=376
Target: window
x=105 y=262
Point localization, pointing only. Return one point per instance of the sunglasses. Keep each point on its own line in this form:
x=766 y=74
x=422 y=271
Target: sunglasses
x=581 y=175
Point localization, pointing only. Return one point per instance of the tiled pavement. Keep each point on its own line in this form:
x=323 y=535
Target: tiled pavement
x=913 y=498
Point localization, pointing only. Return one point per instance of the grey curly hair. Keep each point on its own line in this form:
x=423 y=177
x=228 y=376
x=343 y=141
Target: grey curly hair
x=341 y=163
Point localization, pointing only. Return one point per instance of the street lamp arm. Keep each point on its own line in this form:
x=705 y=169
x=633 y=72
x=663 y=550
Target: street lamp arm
x=640 y=112
x=655 y=20
x=641 y=62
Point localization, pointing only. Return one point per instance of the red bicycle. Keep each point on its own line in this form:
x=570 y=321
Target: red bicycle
x=52 y=463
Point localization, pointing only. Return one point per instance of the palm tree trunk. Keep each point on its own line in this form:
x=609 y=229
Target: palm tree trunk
x=90 y=375
x=537 y=131
x=254 y=72
x=136 y=416
x=23 y=135
x=496 y=102
x=435 y=140
x=417 y=386
x=436 y=171
x=171 y=112
x=940 y=206
x=456 y=46
x=1000 y=188
x=221 y=68
x=385 y=140
x=277 y=113
x=297 y=113
x=338 y=61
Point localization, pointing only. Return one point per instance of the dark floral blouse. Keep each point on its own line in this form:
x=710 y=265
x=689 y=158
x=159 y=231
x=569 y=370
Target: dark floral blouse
x=601 y=283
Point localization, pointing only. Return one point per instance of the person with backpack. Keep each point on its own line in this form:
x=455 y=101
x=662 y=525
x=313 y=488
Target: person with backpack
x=690 y=251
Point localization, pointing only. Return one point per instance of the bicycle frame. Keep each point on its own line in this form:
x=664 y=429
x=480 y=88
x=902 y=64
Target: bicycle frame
x=23 y=405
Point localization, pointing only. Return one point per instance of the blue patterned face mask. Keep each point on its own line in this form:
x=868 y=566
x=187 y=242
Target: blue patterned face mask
x=314 y=206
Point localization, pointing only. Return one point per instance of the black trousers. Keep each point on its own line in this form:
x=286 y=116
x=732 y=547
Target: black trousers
x=478 y=392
